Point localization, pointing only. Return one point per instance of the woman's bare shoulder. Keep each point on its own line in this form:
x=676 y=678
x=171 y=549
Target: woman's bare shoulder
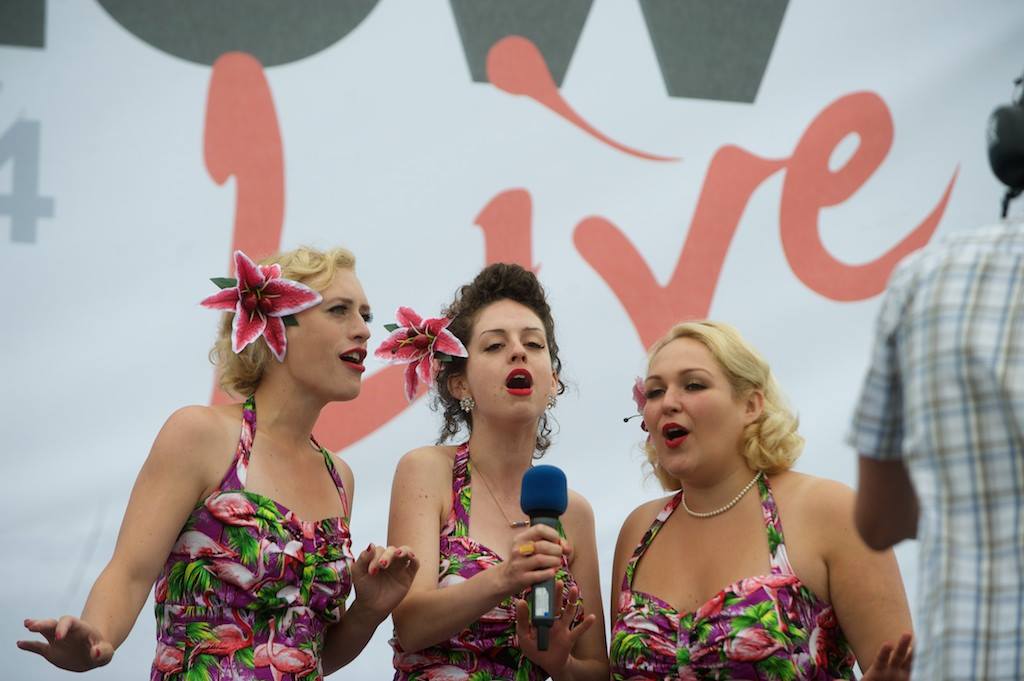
x=426 y=466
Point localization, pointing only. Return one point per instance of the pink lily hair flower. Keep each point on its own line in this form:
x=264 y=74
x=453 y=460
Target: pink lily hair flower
x=263 y=303
x=420 y=343
x=639 y=395
x=640 y=398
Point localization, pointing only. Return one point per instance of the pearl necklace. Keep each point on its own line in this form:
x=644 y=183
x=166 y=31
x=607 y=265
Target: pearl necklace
x=725 y=508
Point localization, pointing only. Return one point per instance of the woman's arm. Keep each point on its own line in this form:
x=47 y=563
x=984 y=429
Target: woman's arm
x=630 y=534
x=428 y=615
x=381 y=576
x=177 y=471
x=864 y=585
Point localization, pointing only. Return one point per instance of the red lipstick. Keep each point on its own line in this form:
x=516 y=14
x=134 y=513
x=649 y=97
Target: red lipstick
x=674 y=434
x=519 y=382
x=353 y=359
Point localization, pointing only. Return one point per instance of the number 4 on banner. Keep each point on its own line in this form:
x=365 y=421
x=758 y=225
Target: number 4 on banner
x=19 y=146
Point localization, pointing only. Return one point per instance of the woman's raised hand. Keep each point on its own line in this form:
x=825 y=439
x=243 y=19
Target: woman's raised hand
x=70 y=643
x=382 y=576
x=892 y=664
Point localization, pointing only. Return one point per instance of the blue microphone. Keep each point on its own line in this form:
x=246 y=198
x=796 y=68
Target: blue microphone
x=544 y=497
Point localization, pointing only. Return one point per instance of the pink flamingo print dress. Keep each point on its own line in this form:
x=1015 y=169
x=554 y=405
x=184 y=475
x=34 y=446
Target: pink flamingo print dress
x=249 y=589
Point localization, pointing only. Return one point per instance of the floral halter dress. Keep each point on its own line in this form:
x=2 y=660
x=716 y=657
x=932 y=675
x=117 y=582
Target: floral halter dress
x=766 y=627
x=488 y=648
x=249 y=588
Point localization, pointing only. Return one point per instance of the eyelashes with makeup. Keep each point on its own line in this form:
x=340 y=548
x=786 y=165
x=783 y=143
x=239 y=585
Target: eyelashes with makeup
x=533 y=345
x=340 y=310
x=692 y=386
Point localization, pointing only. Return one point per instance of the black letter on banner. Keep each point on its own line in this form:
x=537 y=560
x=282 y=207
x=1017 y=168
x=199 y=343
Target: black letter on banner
x=23 y=23
x=708 y=49
x=273 y=31
x=554 y=27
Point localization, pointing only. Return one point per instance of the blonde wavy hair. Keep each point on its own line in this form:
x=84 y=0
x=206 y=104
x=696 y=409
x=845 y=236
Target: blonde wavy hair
x=771 y=443
x=240 y=374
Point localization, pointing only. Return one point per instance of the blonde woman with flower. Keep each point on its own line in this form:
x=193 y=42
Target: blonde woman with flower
x=242 y=523
x=706 y=582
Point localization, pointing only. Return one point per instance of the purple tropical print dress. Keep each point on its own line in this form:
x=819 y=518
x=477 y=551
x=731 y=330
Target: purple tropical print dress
x=249 y=588
x=768 y=627
x=488 y=648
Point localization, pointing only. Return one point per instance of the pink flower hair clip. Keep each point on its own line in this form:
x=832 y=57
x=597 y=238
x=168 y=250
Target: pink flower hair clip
x=420 y=343
x=263 y=303
x=640 y=397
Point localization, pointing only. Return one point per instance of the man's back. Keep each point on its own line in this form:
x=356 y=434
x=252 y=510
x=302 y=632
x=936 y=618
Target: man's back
x=945 y=394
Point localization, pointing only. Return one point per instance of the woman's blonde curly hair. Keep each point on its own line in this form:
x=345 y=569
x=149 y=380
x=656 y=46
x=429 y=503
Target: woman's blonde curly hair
x=240 y=374
x=771 y=443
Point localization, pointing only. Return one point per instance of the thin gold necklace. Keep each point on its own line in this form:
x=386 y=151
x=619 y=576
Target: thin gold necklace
x=718 y=511
x=514 y=524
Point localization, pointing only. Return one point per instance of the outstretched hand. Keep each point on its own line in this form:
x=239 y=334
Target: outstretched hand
x=71 y=643
x=892 y=664
x=382 y=576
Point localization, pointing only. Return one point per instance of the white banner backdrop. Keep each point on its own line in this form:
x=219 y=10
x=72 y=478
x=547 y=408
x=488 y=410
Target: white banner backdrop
x=391 y=149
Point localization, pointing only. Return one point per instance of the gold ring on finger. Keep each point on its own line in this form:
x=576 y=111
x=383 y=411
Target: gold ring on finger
x=526 y=549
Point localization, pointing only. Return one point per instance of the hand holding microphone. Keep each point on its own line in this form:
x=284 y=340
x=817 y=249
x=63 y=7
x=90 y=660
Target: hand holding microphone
x=544 y=497
x=544 y=627
x=534 y=556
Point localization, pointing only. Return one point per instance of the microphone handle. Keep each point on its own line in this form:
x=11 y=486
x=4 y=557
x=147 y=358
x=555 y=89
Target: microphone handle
x=542 y=595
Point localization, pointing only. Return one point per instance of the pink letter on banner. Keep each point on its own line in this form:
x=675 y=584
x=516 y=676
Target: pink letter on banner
x=733 y=176
x=506 y=224
x=515 y=65
x=810 y=186
x=242 y=139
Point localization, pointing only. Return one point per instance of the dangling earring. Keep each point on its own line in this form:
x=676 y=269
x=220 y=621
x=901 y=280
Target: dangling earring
x=467 y=404
x=552 y=401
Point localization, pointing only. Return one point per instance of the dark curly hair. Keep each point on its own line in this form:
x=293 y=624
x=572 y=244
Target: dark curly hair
x=500 y=281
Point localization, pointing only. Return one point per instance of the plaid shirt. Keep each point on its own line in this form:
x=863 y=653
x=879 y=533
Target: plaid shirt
x=945 y=394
